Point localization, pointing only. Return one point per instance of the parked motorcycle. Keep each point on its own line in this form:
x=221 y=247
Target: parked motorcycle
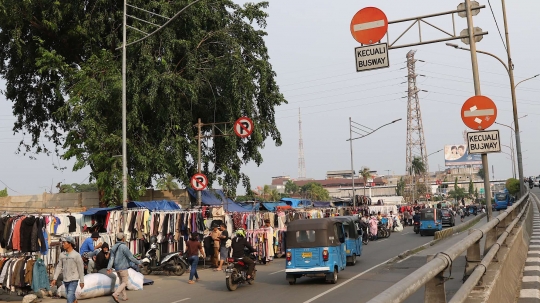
x=416 y=227
x=236 y=273
x=172 y=263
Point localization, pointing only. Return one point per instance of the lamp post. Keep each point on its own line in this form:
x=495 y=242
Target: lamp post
x=512 y=158
x=512 y=140
x=362 y=131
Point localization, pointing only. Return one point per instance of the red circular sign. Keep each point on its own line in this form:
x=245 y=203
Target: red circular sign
x=479 y=112
x=369 y=25
x=243 y=127
x=199 y=181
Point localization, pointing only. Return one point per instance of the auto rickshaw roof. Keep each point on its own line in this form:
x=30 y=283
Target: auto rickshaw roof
x=307 y=224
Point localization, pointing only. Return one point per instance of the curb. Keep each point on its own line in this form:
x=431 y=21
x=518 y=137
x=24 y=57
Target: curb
x=456 y=230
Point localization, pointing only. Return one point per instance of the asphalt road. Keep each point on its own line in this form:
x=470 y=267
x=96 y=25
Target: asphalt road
x=359 y=283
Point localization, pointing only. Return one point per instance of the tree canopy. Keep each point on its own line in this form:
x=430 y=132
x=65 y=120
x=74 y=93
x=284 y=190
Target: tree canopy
x=291 y=187
x=166 y=183
x=4 y=193
x=76 y=188
x=62 y=67
x=315 y=191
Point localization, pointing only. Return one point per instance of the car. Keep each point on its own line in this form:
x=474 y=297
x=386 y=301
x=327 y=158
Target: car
x=536 y=182
x=448 y=217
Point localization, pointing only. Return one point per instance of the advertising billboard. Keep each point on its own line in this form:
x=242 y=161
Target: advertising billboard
x=458 y=154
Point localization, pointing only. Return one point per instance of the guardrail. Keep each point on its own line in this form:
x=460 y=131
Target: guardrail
x=431 y=274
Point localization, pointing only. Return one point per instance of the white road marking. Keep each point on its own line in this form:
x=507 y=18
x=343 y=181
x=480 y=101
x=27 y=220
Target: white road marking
x=345 y=282
x=407 y=233
x=368 y=25
x=531 y=279
x=529 y=293
x=181 y=300
x=381 y=240
x=276 y=272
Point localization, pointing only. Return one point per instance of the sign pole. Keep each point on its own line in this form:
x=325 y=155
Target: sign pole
x=199 y=198
x=477 y=92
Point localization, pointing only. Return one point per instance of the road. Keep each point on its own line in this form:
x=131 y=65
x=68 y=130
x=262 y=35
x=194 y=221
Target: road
x=368 y=278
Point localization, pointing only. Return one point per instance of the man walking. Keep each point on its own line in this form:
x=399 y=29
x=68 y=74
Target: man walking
x=72 y=268
x=119 y=259
x=216 y=239
x=102 y=262
x=223 y=249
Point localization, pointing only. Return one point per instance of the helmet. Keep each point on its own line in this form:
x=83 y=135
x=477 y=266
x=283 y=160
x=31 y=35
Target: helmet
x=153 y=239
x=241 y=232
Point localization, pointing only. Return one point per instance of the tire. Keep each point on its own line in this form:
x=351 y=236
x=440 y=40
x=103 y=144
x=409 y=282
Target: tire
x=231 y=286
x=334 y=276
x=353 y=263
x=179 y=267
x=292 y=282
x=388 y=233
x=145 y=269
x=421 y=234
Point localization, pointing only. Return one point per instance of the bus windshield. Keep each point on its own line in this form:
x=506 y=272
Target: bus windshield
x=500 y=196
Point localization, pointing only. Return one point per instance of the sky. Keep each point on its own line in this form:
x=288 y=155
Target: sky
x=312 y=52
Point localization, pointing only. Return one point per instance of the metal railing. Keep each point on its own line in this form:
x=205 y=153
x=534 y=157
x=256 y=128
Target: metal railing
x=431 y=276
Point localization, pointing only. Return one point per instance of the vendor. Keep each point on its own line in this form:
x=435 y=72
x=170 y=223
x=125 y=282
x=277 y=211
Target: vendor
x=88 y=244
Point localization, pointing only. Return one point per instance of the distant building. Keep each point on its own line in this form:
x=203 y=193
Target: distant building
x=339 y=174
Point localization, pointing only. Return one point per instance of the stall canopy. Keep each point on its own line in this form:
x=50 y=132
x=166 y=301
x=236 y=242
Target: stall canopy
x=271 y=206
x=296 y=203
x=322 y=204
x=155 y=205
x=216 y=197
x=99 y=211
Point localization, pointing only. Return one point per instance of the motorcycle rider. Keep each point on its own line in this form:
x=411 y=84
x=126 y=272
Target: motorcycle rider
x=238 y=244
x=531 y=183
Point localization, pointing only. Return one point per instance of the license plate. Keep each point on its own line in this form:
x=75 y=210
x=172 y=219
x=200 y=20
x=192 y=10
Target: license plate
x=307 y=255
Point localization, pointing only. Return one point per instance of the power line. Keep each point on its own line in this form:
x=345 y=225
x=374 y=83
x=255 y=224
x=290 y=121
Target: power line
x=10 y=187
x=497 y=24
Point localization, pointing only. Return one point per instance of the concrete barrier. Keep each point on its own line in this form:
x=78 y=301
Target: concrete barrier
x=502 y=278
x=448 y=232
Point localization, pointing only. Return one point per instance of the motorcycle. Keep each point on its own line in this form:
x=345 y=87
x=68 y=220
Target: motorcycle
x=365 y=232
x=236 y=273
x=416 y=227
x=172 y=263
x=531 y=185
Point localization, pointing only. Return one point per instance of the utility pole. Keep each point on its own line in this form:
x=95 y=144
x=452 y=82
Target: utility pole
x=352 y=165
x=514 y=102
x=478 y=92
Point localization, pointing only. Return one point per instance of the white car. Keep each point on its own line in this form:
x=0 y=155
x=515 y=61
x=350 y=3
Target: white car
x=535 y=182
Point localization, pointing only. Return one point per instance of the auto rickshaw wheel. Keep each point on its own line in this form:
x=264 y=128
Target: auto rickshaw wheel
x=421 y=233
x=334 y=276
x=353 y=260
x=293 y=281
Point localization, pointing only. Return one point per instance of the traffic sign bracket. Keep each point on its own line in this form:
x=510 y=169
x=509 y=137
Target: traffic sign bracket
x=421 y=19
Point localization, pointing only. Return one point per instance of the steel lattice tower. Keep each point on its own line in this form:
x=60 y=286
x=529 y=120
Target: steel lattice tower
x=416 y=143
x=301 y=161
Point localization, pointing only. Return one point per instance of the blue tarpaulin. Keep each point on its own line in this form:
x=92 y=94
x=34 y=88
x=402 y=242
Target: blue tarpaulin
x=321 y=204
x=155 y=205
x=271 y=206
x=208 y=197
x=296 y=203
x=99 y=211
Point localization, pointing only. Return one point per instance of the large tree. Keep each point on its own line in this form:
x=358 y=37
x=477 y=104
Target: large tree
x=62 y=66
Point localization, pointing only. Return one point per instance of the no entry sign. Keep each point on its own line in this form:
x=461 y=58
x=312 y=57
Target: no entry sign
x=369 y=25
x=199 y=181
x=478 y=112
x=243 y=127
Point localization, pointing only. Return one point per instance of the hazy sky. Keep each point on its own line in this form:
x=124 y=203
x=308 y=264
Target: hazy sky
x=312 y=52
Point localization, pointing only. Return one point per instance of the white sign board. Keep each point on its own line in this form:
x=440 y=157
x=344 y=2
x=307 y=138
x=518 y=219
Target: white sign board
x=371 y=57
x=483 y=142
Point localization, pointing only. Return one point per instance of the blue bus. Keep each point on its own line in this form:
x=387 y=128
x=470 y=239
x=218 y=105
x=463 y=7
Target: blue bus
x=503 y=199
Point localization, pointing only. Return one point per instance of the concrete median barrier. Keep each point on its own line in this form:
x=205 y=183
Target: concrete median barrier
x=448 y=232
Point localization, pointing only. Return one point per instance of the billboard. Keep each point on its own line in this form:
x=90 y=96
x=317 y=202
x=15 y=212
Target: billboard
x=458 y=154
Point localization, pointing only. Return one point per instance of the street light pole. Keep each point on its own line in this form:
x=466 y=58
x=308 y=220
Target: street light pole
x=512 y=158
x=352 y=166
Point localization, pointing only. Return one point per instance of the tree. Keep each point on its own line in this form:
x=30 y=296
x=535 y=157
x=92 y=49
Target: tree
x=417 y=166
x=76 y=188
x=400 y=188
x=471 y=188
x=512 y=185
x=315 y=191
x=275 y=195
x=291 y=187
x=4 y=193
x=167 y=183
x=62 y=69
x=476 y=193
x=457 y=193
x=480 y=173
x=266 y=192
x=366 y=174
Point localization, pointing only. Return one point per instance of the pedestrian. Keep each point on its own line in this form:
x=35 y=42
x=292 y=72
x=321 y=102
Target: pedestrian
x=119 y=260
x=102 y=262
x=193 y=249
x=406 y=217
x=461 y=214
x=88 y=245
x=71 y=266
x=373 y=227
x=269 y=230
x=215 y=239
x=223 y=250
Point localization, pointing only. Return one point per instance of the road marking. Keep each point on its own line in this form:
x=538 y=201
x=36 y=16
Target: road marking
x=345 y=282
x=276 y=272
x=181 y=300
x=404 y=259
x=381 y=240
x=406 y=233
x=368 y=25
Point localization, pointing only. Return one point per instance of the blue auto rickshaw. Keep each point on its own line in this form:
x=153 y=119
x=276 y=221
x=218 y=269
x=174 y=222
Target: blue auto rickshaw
x=315 y=248
x=430 y=221
x=353 y=237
